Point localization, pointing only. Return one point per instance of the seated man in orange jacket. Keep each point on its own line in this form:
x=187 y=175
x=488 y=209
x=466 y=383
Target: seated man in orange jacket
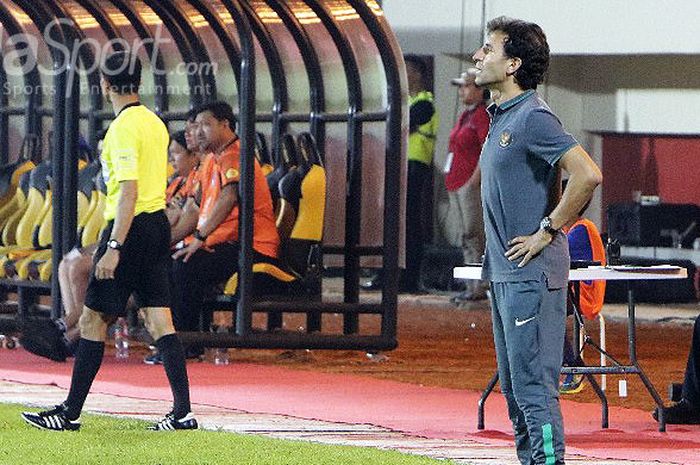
x=210 y=253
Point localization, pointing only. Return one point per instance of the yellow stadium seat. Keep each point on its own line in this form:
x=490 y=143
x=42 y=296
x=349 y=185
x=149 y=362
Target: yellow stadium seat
x=15 y=262
x=12 y=212
x=286 y=163
x=302 y=192
x=10 y=175
x=13 y=196
x=95 y=222
x=30 y=219
x=90 y=223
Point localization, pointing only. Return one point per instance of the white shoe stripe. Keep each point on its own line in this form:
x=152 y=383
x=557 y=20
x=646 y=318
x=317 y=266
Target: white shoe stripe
x=169 y=423
x=54 y=422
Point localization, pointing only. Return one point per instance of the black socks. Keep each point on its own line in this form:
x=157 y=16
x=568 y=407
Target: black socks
x=88 y=359
x=173 y=355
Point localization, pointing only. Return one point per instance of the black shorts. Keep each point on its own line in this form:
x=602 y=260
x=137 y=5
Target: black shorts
x=143 y=269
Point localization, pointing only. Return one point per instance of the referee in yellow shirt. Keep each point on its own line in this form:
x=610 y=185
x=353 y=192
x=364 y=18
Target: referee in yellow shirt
x=134 y=251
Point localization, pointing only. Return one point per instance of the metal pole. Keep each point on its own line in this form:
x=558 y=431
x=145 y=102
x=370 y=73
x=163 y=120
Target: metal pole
x=317 y=99
x=280 y=95
x=393 y=164
x=246 y=132
x=353 y=155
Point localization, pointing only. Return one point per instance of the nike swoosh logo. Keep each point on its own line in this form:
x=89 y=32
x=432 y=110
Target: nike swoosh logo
x=522 y=322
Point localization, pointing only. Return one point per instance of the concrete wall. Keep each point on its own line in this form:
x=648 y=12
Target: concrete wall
x=602 y=27
x=626 y=66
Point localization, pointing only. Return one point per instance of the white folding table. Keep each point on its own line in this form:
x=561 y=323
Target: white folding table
x=627 y=273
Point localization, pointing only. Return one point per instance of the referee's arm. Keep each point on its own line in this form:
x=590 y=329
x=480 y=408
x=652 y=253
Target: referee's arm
x=128 y=191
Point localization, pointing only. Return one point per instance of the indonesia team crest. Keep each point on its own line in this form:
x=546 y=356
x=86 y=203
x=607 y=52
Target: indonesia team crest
x=506 y=139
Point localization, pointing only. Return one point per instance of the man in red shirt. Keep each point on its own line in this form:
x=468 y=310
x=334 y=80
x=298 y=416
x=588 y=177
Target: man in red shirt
x=466 y=139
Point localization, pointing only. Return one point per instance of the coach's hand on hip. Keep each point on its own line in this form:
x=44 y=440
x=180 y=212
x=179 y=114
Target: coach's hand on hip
x=528 y=246
x=107 y=264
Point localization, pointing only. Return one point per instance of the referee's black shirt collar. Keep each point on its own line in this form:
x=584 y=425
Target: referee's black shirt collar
x=129 y=105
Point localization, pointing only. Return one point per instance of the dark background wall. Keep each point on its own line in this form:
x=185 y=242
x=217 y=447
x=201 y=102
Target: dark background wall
x=667 y=166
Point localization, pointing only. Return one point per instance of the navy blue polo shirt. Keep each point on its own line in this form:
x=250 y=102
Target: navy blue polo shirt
x=519 y=187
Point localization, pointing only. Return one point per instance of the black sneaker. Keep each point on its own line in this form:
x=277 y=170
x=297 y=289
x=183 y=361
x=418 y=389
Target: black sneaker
x=153 y=359
x=156 y=358
x=194 y=353
x=54 y=420
x=680 y=413
x=571 y=384
x=170 y=423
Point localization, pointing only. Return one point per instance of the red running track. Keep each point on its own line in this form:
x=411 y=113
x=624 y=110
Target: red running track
x=424 y=411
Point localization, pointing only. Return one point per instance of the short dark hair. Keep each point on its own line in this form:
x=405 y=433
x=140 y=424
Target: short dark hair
x=179 y=137
x=528 y=42
x=122 y=71
x=220 y=110
x=192 y=115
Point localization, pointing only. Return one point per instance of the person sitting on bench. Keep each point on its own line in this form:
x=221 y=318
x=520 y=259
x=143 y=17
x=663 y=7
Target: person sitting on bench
x=687 y=410
x=210 y=254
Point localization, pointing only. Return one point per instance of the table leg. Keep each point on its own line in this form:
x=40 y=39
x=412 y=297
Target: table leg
x=482 y=400
x=632 y=337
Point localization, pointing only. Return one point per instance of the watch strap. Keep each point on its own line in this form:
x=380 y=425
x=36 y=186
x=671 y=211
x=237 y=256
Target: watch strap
x=114 y=244
x=546 y=225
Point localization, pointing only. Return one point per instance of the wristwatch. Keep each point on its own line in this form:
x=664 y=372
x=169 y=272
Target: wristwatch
x=546 y=225
x=198 y=235
x=114 y=244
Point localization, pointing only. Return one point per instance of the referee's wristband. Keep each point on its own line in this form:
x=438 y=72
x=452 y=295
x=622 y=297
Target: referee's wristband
x=198 y=235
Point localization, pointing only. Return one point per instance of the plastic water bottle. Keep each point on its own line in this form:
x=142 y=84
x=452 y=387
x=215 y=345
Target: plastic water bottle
x=8 y=342
x=221 y=354
x=377 y=357
x=121 y=340
x=12 y=343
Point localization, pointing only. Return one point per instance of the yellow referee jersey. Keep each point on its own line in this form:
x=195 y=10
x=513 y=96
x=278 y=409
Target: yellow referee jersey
x=136 y=149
